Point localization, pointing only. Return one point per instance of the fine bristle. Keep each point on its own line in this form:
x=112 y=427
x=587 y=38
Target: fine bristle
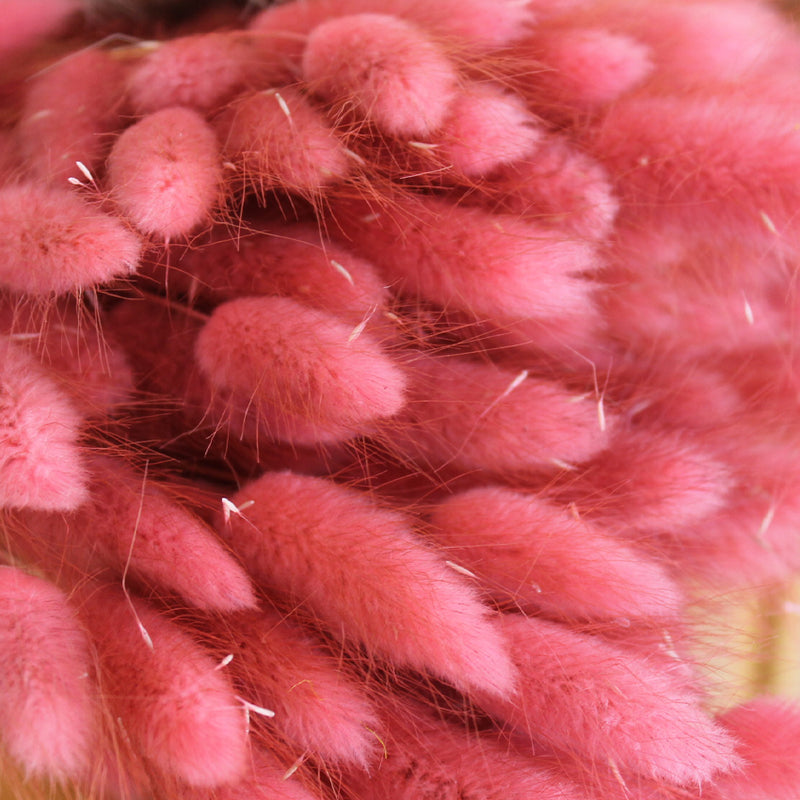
x=399 y=399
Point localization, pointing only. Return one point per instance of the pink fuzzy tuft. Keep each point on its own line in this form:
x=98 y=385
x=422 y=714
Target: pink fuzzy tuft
x=464 y=342
x=87 y=366
x=483 y=24
x=317 y=705
x=52 y=242
x=383 y=67
x=653 y=312
x=560 y=187
x=538 y=557
x=46 y=698
x=715 y=166
x=278 y=140
x=584 y=67
x=360 y=569
x=751 y=542
x=166 y=173
x=428 y=758
x=750 y=38
x=40 y=462
x=69 y=114
x=581 y=695
x=493 y=266
x=654 y=481
x=201 y=71
x=486 y=128
x=288 y=261
x=768 y=731
x=169 y=696
x=132 y=527
x=479 y=416
x=266 y=779
x=9 y=156
x=295 y=363
x=26 y=22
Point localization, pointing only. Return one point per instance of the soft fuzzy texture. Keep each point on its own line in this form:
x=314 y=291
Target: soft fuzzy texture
x=165 y=172
x=40 y=461
x=388 y=390
x=46 y=697
x=53 y=242
x=359 y=569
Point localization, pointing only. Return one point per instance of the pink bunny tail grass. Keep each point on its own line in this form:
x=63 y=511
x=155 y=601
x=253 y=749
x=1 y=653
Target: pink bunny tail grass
x=26 y=22
x=79 y=356
x=318 y=707
x=506 y=423
x=200 y=72
x=41 y=463
x=394 y=75
x=541 y=558
x=54 y=243
x=47 y=706
x=278 y=140
x=684 y=148
x=170 y=697
x=560 y=186
x=337 y=336
x=166 y=172
x=428 y=757
x=654 y=481
x=132 y=528
x=490 y=265
x=767 y=729
x=753 y=40
x=266 y=779
x=292 y=362
x=287 y=261
x=584 y=696
x=308 y=538
x=486 y=128
x=477 y=23
x=585 y=67
x=70 y=114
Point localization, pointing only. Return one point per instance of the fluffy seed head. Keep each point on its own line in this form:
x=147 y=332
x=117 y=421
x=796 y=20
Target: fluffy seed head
x=175 y=705
x=385 y=68
x=287 y=359
x=46 y=698
x=165 y=172
x=318 y=706
x=69 y=114
x=278 y=140
x=486 y=128
x=201 y=71
x=359 y=568
x=585 y=696
x=41 y=465
x=51 y=242
x=536 y=556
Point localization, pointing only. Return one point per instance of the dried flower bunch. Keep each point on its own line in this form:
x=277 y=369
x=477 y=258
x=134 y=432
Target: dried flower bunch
x=378 y=381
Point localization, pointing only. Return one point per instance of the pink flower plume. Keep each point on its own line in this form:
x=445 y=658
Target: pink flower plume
x=51 y=242
x=317 y=705
x=41 y=464
x=47 y=705
x=308 y=538
x=584 y=696
x=540 y=557
x=388 y=69
x=169 y=696
x=277 y=140
x=274 y=352
x=166 y=172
